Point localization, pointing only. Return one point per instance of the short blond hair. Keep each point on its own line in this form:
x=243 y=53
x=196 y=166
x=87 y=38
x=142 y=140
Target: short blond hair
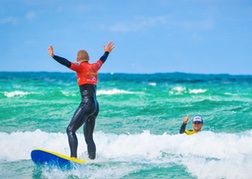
x=82 y=55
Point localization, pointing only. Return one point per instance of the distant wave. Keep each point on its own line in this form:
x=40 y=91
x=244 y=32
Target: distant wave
x=68 y=93
x=16 y=93
x=114 y=91
x=152 y=84
x=196 y=91
x=184 y=90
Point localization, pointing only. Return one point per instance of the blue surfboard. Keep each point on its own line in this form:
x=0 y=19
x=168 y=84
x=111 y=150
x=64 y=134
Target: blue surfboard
x=42 y=157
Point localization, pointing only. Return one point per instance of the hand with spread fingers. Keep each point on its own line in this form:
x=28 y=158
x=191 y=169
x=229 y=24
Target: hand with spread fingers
x=50 y=51
x=109 y=47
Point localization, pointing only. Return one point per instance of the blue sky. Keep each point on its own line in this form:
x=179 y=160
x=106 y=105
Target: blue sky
x=192 y=36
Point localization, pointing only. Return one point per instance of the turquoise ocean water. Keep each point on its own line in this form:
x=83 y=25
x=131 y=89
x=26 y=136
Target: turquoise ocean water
x=137 y=129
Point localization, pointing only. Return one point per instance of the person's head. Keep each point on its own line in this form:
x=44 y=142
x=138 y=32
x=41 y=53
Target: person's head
x=197 y=123
x=82 y=56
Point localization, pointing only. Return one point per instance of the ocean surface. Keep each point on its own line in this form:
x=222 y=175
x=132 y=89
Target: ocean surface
x=137 y=130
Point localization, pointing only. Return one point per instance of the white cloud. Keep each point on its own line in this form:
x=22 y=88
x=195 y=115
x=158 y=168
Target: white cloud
x=145 y=22
x=7 y=20
x=30 y=15
x=206 y=24
x=138 y=24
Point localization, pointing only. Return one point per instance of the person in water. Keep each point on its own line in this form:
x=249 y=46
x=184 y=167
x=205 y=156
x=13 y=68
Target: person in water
x=86 y=113
x=197 y=124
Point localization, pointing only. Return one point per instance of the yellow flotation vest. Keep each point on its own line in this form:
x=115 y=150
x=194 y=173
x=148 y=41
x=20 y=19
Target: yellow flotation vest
x=190 y=132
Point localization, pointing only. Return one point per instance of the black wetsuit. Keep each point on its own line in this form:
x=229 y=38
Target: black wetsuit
x=182 y=128
x=86 y=113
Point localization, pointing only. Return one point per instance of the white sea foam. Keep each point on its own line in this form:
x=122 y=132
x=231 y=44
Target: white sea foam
x=152 y=84
x=67 y=93
x=182 y=90
x=114 y=91
x=196 y=91
x=16 y=93
x=228 y=155
x=177 y=90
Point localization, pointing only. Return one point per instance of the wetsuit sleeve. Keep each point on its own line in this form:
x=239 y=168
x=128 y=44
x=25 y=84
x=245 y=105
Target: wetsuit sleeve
x=104 y=57
x=62 y=61
x=182 y=128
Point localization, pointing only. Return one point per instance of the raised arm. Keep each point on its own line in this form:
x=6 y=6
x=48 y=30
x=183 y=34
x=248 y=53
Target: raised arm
x=183 y=126
x=61 y=60
x=107 y=49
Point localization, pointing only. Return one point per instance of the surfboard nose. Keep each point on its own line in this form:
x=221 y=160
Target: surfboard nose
x=43 y=157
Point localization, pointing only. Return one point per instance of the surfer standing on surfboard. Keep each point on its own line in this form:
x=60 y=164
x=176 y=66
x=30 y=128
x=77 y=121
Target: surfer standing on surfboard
x=86 y=113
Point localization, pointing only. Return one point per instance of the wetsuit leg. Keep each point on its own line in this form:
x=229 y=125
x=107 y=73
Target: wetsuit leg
x=88 y=133
x=77 y=121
